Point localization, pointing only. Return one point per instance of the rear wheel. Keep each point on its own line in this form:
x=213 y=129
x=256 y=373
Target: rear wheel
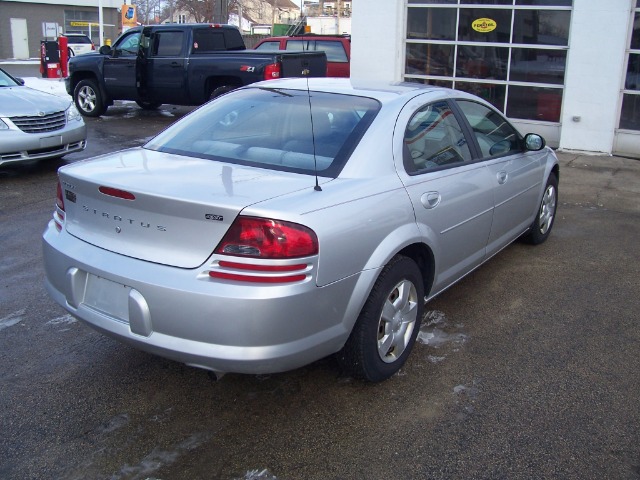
x=216 y=92
x=88 y=98
x=386 y=329
x=541 y=226
x=148 y=105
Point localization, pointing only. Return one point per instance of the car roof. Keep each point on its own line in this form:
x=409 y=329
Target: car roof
x=312 y=35
x=385 y=92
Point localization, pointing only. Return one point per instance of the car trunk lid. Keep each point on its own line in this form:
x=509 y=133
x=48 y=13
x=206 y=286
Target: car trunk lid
x=163 y=208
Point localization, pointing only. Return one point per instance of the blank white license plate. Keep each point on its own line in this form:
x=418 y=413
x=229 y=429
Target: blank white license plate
x=50 y=141
x=107 y=297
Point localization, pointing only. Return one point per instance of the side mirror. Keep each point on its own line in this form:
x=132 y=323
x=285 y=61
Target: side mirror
x=534 y=142
x=105 y=50
x=19 y=80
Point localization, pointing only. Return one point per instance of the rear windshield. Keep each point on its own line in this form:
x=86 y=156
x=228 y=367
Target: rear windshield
x=271 y=128
x=78 y=39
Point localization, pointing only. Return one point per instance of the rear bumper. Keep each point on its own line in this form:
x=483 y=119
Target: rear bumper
x=186 y=316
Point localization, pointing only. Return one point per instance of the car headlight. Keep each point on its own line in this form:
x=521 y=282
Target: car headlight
x=3 y=126
x=73 y=113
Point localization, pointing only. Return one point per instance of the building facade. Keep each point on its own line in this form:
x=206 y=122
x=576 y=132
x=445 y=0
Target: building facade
x=24 y=23
x=567 y=69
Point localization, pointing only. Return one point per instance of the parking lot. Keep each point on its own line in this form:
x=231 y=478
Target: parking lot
x=528 y=368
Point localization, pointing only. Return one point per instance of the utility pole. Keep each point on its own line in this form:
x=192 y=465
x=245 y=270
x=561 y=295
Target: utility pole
x=221 y=11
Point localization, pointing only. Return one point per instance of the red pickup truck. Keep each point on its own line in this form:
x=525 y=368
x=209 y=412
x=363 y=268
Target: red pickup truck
x=337 y=48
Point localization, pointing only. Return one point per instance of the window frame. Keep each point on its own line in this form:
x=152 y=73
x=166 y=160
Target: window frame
x=470 y=137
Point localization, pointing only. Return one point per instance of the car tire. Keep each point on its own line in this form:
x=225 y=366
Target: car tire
x=388 y=325
x=148 y=105
x=541 y=227
x=88 y=98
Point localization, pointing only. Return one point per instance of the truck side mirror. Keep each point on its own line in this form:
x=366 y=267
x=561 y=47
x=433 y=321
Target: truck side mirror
x=105 y=50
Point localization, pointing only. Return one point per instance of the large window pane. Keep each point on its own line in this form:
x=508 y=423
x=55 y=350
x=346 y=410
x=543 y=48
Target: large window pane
x=434 y=1
x=635 y=36
x=487 y=2
x=550 y=3
x=492 y=93
x=541 y=27
x=429 y=59
x=538 y=66
x=427 y=81
x=482 y=62
x=431 y=23
x=534 y=103
x=496 y=28
x=630 y=116
x=632 y=81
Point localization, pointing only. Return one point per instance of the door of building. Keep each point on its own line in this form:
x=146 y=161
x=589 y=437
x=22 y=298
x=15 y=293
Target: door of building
x=19 y=38
x=627 y=136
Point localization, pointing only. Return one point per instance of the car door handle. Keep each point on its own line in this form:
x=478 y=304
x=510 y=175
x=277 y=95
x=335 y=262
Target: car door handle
x=430 y=200
x=175 y=65
x=502 y=177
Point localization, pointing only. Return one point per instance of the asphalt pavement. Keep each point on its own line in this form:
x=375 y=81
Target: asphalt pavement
x=529 y=368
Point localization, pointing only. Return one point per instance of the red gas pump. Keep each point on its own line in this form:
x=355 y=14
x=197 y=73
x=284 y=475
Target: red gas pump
x=63 y=48
x=49 y=59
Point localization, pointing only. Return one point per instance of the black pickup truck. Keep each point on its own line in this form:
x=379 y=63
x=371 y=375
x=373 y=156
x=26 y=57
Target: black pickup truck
x=181 y=64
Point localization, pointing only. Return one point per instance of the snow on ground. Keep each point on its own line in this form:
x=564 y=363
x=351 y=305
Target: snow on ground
x=54 y=86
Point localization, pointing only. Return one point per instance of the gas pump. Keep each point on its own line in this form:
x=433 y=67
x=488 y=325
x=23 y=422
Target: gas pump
x=63 y=48
x=49 y=59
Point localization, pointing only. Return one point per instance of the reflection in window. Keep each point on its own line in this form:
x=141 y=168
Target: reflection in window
x=550 y=3
x=433 y=138
x=541 y=27
x=635 y=35
x=482 y=62
x=494 y=134
x=538 y=65
x=492 y=93
x=630 y=115
x=431 y=81
x=432 y=23
x=429 y=59
x=502 y=19
x=534 y=103
x=632 y=80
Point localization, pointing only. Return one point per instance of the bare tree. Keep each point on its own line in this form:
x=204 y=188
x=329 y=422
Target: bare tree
x=147 y=10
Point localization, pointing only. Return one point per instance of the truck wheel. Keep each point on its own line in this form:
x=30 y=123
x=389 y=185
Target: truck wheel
x=148 y=105
x=222 y=90
x=89 y=99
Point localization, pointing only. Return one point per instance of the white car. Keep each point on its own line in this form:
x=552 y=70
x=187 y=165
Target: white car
x=289 y=220
x=78 y=44
x=36 y=125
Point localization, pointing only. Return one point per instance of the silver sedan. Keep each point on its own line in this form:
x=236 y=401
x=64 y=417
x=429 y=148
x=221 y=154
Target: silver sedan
x=291 y=220
x=36 y=125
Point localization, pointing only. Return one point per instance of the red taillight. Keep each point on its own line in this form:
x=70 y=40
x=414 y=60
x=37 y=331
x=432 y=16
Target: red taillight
x=254 y=273
x=93 y=47
x=272 y=71
x=60 y=199
x=115 y=192
x=59 y=215
x=266 y=238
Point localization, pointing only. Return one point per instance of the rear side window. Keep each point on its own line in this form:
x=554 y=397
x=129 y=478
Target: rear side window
x=269 y=46
x=433 y=139
x=167 y=44
x=207 y=40
x=334 y=50
x=272 y=129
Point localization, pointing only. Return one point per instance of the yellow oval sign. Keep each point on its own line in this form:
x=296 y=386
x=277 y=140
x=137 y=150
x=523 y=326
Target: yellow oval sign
x=484 y=25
